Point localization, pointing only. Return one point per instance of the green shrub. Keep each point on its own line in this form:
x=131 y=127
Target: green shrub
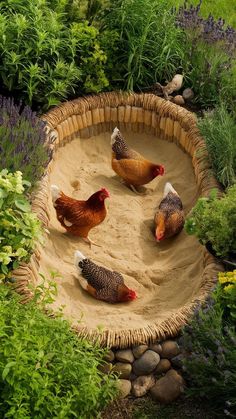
x=22 y=141
x=44 y=54
x=149 y=47
x=211 y=366
x=219 y=130
x=46 y=371
x=209 y=347
x=19 y=227
x=213 y=221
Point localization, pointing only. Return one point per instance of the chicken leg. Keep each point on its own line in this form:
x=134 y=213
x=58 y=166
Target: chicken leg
x=90 y=242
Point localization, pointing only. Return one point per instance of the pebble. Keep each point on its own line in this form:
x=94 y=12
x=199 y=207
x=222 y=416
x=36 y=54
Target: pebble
x=146 y=363
x=179 y=100
x=124 y=388
x=188 y=94
x=125 y=355
x=156 y=347
x=168 y=388
x=123 y=369
x=110 y=356
x=139 y=350
x=170 y=348
x=142 y=385
x=105 y=368
x=177 y=361
x=163 y=366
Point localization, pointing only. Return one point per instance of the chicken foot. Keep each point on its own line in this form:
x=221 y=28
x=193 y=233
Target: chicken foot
x=90 y=242
x=132 y=187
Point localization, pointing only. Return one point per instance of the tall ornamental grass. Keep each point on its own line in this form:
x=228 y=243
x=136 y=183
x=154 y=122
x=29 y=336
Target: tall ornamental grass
x=146 y=44
x=218 y=127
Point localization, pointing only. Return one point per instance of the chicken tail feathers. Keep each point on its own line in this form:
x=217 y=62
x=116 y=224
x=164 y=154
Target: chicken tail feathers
x=116 y=132
x=169 y=188
x=78 y=257
x=56 y=192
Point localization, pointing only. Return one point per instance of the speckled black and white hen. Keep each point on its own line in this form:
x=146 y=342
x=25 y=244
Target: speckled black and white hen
x=102 y=283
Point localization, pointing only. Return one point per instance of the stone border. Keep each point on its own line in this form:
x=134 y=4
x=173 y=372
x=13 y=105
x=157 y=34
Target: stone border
x=92 y=115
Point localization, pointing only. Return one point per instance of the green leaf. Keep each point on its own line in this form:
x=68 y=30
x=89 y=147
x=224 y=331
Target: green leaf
x=4 y=269
x=7 y=369
x=22 y=204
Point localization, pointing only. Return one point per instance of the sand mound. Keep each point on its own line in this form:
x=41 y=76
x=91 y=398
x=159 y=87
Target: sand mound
x=166 y=276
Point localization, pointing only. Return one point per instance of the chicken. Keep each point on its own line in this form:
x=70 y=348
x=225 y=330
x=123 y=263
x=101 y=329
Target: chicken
x=169 y=219
x=131 y=166
x=102 y=283
x=78 y=217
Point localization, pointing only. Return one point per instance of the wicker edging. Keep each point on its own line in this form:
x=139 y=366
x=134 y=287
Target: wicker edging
x=94 y=114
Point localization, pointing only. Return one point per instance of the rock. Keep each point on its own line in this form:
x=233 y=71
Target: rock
x=146 y=363
x=122 y=369
x=142 y=385
x=179 y=100
x=106 y=367
x=168 y=388
x=109 y=357
x=132 y=376
x=170 y=348
x=163 y=366
x=139 y=350
x=188 y=94
x=156 y=347
x=125 y=355
x=124 y=388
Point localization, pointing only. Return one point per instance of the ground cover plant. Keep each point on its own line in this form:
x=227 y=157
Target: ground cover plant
x=209 y=344
x=213 y=220
x=20 y=229
x=218 y=127
x=22 y=140
x=44 y=55
x=45 y=369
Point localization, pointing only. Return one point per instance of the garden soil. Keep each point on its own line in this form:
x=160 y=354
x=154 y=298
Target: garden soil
x=166 y=275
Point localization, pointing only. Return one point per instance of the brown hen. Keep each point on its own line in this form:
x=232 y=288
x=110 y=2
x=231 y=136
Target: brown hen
x=79 y=217
x=169 y=219
x=131 y=166
x=102 y=283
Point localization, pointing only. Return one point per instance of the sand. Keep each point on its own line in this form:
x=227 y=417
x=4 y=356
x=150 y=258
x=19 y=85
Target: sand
x=165 y=275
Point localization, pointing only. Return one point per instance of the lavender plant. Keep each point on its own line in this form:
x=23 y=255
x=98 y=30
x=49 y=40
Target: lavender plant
x=209 y=345
x=211 y=55
x=22 y=140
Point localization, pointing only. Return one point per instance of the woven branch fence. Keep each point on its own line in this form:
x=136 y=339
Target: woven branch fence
x=85 y=117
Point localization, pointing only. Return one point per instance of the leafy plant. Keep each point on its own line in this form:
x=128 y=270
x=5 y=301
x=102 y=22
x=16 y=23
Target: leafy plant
x=226 y=294
x=45 y=369
x=42 y=55
x=218 y=128
x=210 y=56
x=209 y=346
x=19 y=227
x=214 y=220
x=23 y=137
x=149 y=47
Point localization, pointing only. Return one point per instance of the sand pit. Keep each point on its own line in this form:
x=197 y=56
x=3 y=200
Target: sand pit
x=166 y=276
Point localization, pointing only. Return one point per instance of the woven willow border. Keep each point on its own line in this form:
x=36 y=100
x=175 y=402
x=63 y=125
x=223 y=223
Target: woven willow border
x=138 y=112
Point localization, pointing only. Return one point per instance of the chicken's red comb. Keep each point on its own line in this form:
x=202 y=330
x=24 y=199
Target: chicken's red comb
x=132 y=294
x=105 y=191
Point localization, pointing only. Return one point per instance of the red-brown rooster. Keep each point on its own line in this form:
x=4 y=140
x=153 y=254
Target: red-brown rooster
x=131 y=166
x=169 y=219
x=78 y=217
x=102 y=283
